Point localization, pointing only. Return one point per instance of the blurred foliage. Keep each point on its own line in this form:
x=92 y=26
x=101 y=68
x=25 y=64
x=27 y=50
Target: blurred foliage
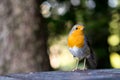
x=96 y=15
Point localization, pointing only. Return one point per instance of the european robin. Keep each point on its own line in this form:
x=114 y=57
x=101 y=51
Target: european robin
x=79 y=47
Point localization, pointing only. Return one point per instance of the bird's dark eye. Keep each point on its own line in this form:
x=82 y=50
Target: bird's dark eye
x=76 y=28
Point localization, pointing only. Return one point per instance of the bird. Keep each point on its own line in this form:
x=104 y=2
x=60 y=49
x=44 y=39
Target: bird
x=80 y=48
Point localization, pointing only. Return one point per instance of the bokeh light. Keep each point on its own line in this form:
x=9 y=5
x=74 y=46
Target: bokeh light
x=90 y=4
x=45 y=9
x=60 y=57
x=75 y=2
x=113 y=40
x=113 y=3
x=115 y=60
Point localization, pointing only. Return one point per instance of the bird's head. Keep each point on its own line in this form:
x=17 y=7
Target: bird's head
x=78 y=28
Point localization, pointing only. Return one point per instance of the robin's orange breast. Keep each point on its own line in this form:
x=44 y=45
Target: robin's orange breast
x=76 y=38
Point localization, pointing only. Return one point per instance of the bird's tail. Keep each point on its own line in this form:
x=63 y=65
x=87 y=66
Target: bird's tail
x=92 y=61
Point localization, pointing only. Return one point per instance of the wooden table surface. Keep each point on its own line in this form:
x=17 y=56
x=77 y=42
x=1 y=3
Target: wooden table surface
x=102 y=74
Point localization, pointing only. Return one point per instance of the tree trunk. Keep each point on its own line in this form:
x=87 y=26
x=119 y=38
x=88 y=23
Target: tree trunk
x=22 y=37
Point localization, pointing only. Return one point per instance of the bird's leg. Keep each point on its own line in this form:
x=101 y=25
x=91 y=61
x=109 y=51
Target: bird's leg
x=77 y=63
x=84 y=65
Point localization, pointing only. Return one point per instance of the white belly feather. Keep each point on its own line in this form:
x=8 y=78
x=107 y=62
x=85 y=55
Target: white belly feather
x=80 y=52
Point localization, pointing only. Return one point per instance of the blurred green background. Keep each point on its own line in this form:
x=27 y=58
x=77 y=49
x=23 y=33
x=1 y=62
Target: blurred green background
x=102 y=23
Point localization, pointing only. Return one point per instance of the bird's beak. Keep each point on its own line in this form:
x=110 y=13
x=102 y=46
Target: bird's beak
x=82 y=28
